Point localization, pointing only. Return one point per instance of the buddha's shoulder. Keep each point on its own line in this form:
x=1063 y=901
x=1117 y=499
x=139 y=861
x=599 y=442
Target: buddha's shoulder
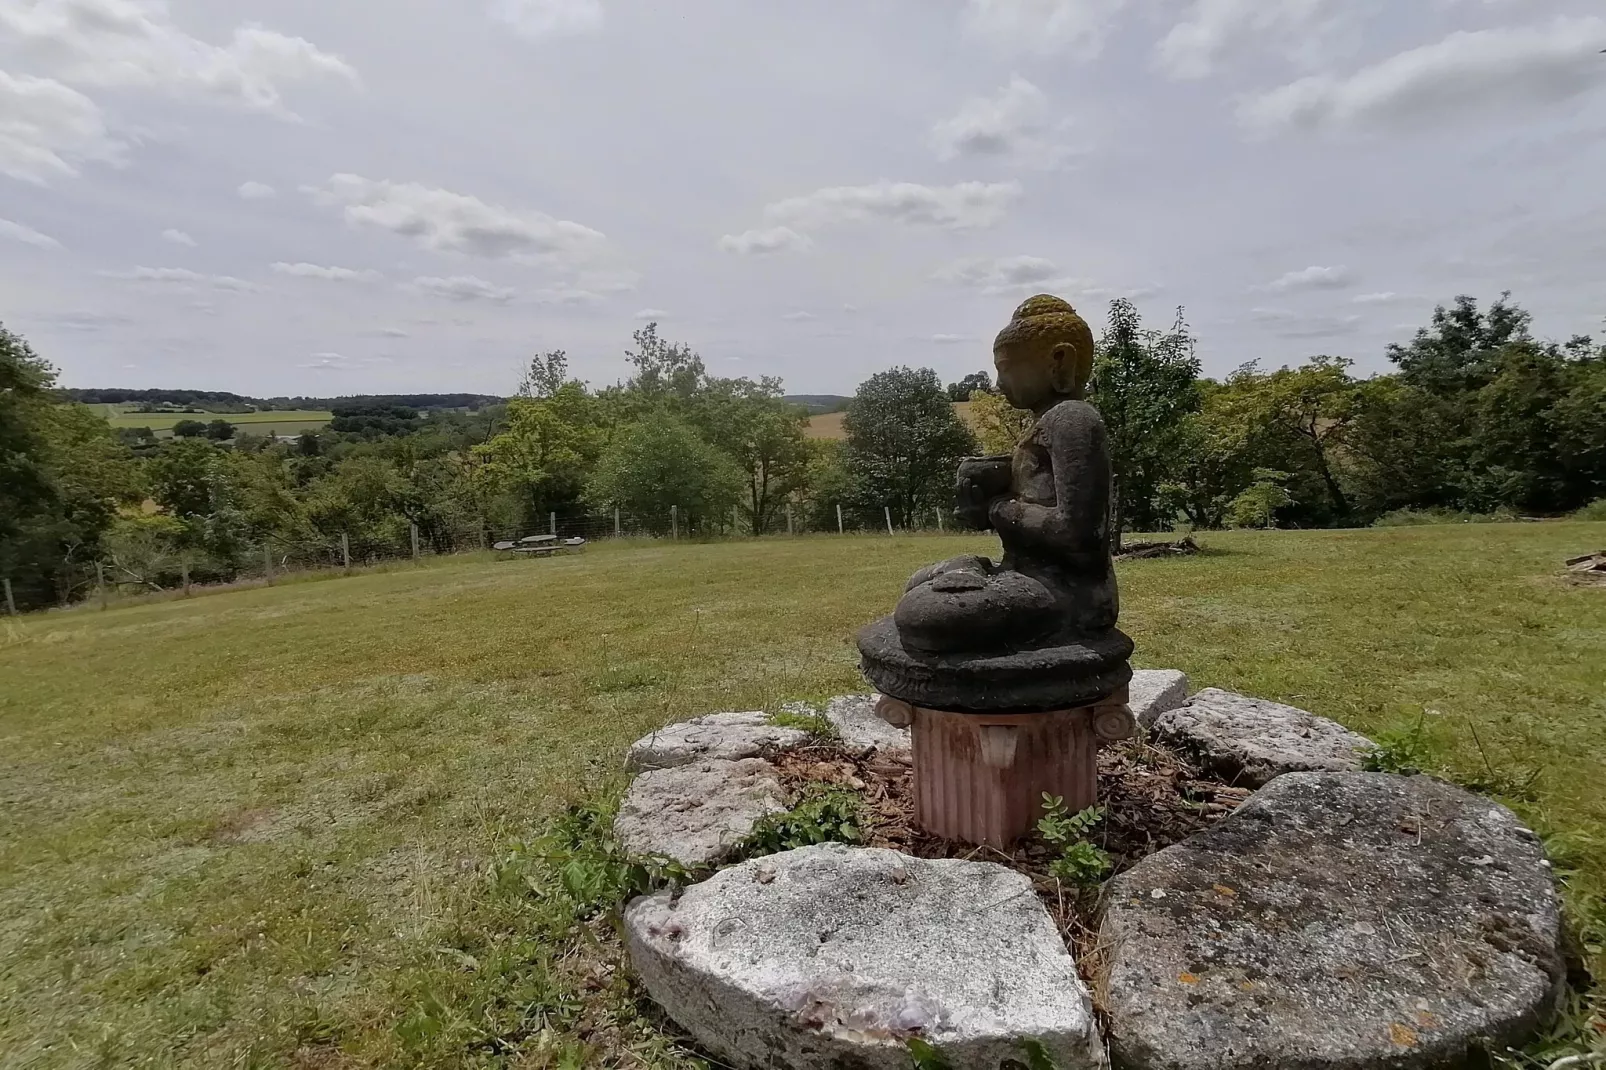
x=1069 y=417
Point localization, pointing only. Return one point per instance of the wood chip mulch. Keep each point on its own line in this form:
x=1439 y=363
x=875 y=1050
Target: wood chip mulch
x=1152 y=798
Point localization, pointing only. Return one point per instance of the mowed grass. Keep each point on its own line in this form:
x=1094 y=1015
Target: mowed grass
x=237 y=830
x=284 y=421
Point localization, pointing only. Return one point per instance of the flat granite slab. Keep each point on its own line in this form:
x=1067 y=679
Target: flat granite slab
x=1251 y=740
x=830 y=957
x=1335 y=921
x=697 y=814
x=723 y=736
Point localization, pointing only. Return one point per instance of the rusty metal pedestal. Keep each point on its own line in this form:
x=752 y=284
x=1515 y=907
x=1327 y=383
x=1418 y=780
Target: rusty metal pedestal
x=980 y=777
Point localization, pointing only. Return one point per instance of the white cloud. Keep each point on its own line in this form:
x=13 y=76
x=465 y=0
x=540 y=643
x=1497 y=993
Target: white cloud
x=949 y=339
x=463 y=288
x=27 y=235
x=1022 y=276
x=651 y=314
x=183 y=279
x=339 y=362
x=319 y=271
x=121 y=43
x=1288 y=324
x=1211 y=28
x=996 y=275
x=1009 y=123
x=444 y=221
x=256 y=191
x=798 y=317
x=178 y=237
x=537 y=19
x=1469 y=72
x=566 y=295
x=47 y=129
x=765 y=240
x=394 y=332
x=1077 y=27
x=959 y=207
x=1387 y=298
x=1313 y=278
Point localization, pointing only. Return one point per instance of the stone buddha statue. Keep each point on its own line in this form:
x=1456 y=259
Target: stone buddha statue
x=1035 y=629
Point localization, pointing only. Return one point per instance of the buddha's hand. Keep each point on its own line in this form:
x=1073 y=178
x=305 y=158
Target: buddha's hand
x=1005 y=514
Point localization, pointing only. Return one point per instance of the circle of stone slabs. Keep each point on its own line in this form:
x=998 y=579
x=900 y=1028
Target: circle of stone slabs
x=1341 y=921
x=828 y=957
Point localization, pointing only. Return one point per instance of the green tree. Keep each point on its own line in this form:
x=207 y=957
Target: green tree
x=974 y=383
x=545 y=452
x=219 y=430
x=63 y=475
x=546 y=375
x=189 y=429
x=662 y=463
x=999 y=426
x=764 y=435
x=1144 y=387
x=904 y=443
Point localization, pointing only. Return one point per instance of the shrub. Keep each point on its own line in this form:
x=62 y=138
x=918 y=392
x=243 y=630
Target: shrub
x=1595 y=510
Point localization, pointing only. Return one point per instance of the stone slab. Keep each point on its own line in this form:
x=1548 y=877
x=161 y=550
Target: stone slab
x=1155 y=691
x=1251 y=740
x=715 y=736
x=829 y=957
x=855 y=720
x=697 y=814
x=1340 y=921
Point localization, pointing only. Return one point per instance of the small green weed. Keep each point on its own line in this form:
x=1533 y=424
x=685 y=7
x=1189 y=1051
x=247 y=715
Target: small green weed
x=926 y=1056
x=1595 y=510
x=825 y=814
x=814 y=724
x=1080 y=862
x=1405 y=750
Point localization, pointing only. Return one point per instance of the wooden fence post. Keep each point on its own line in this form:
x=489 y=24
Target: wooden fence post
x=267 y=562
x=11 y=603
x=789 y=529
x=552 y=522
x=616 y=529
x=839 y=530
x=100 y=583
x=939 y=521
x=887 y=509
x=184 y=573
x=674 y=521
x=345 y=552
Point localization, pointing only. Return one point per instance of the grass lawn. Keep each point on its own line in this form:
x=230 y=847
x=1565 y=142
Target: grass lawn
x=284 y=421
x=244 y=829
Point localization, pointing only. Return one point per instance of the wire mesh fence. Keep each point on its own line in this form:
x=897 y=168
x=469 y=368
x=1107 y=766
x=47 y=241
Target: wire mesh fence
x=112 y=577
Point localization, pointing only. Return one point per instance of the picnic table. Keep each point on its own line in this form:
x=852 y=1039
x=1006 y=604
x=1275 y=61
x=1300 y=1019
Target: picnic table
x=540 y=546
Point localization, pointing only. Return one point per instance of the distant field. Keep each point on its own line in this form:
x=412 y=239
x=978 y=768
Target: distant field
x=283 y=421
x=254 y=829
x=829 y=424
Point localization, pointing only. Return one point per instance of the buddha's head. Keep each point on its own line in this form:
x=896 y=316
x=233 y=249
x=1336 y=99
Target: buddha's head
x=1045 y=355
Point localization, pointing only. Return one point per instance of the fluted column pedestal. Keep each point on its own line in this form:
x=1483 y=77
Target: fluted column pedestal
x=980 y=777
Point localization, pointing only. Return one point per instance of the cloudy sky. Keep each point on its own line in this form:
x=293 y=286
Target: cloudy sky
x=299 y=196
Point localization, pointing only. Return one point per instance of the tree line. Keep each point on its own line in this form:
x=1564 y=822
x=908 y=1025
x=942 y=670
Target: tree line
x=1477 y=417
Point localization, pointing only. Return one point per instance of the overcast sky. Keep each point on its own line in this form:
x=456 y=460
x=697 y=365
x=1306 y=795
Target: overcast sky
x=316 y=197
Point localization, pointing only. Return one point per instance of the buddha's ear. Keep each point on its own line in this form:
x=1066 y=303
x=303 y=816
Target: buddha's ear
x=1062 y=368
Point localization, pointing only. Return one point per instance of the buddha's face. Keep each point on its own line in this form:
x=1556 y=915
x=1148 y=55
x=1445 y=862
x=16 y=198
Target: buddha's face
x=1034 y=376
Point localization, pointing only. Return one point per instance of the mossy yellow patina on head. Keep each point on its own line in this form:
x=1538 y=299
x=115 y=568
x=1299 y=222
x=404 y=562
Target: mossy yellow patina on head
x=1044 y=354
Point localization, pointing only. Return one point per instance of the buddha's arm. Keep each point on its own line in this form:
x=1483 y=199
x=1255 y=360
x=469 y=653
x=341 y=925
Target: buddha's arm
x=1079 y=449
